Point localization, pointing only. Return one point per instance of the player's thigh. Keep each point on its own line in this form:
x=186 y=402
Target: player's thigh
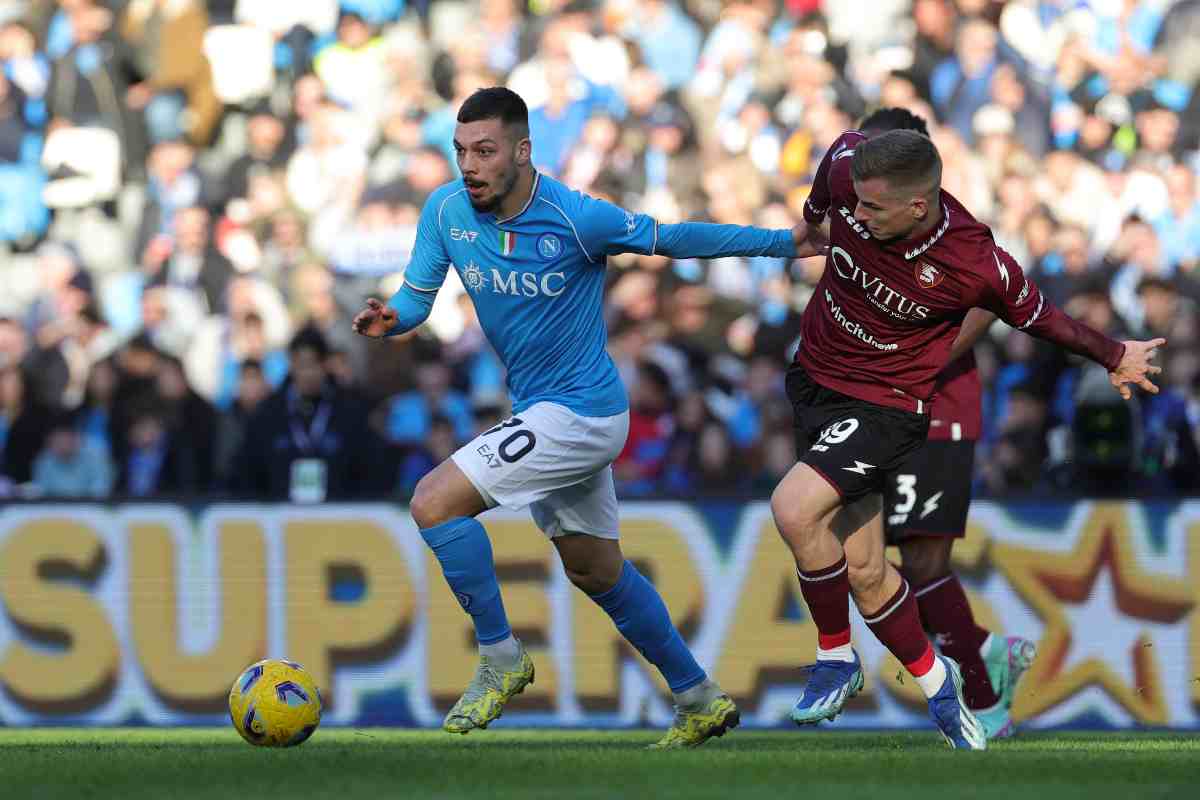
x=444 y=494
x=804 y=501
x=929 y=494
x=542 y=450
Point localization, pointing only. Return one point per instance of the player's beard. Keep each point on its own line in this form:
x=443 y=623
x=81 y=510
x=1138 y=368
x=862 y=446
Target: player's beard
x=506 y=183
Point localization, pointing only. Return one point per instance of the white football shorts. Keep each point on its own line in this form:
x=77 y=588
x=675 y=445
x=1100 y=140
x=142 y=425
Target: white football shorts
x=554 y=461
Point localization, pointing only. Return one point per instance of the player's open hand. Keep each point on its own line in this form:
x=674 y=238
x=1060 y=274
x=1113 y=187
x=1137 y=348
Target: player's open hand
x=375 y=320
x=1135 y=367
x=810 y=240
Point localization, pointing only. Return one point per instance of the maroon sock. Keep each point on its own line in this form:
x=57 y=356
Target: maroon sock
x=898 y=625
x=947 y=616
x=827 y=593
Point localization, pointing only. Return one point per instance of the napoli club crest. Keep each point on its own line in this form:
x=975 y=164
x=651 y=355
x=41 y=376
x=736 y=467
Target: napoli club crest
x=928 y=275
x=549 y=246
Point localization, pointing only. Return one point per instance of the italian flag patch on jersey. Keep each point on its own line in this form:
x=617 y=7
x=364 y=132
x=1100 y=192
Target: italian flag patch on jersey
x=508 y=243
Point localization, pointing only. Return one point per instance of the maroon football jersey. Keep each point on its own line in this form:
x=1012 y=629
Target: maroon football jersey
x=884 y=315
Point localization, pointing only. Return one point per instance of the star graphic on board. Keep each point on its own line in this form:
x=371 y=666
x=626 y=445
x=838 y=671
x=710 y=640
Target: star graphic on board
x=1099 y=607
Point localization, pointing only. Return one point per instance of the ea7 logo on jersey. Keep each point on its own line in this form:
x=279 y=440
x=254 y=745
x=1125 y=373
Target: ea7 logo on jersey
x=462 y=235
x=928 y=275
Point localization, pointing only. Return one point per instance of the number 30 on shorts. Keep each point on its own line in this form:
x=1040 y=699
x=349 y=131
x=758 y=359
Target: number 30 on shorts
x=836 y=434
x=517 y=445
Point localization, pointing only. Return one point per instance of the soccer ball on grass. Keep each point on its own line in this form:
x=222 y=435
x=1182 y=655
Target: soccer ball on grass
x=275 y=703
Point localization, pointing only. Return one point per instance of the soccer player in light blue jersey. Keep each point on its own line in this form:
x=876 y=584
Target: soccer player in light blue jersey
x=531 y=253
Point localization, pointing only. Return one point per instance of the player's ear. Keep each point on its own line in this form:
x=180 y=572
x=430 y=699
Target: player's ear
x=524 y=151
x=919 y=207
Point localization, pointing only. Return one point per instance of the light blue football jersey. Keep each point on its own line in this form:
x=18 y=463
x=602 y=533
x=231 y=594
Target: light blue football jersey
x=537 y=281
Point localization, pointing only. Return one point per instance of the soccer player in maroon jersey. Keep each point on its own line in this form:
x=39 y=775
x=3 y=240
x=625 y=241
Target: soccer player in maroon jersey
x=927 y=498
x=906 y=261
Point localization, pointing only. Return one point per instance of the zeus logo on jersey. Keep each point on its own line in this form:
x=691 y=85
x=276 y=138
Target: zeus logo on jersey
x=853 y=223
x=879 y=293
x=517 y=284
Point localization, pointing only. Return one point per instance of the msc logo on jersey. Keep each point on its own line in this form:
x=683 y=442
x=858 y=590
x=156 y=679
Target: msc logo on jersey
x=516 y=284
x=928 y=275
x=549 y=246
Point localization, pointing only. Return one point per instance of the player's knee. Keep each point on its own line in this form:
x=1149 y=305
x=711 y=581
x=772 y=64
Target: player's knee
x=593 y=577
x=427 y=507
x=793 y=518
x=592 y=580
x=865 y=570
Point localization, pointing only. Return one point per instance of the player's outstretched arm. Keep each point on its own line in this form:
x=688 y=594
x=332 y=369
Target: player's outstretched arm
x=1018 y=301
x=1136 y=367
x=710 y=240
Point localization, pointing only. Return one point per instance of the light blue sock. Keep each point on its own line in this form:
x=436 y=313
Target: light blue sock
x=642 y=618
x=463 y=549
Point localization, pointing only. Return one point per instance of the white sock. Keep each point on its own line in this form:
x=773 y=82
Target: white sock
x=932 y=681
x=987 y=645
x=843 y=652
x=504 y=654
x=702 y=692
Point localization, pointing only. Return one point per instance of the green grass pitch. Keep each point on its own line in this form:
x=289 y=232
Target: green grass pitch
x=373 y=763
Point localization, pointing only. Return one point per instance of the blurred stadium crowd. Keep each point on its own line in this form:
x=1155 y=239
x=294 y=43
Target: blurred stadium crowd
x=196 y=197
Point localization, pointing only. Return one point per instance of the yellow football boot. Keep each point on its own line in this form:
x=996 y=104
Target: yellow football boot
x=489 y=690
x=696 y=724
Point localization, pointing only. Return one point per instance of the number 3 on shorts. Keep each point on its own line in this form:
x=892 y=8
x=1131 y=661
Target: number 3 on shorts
x=836 y=434
x=516 y=445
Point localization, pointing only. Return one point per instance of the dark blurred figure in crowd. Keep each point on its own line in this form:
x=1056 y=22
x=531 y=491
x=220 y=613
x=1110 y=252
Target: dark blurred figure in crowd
x=309 y=441
x=252 y=390
x=191 y=420
x=89 y=83
x=96 y=411
x=71 y=465
x=137 y=365
x=153 y=462
x=265 y=152
x=651 y=423
x=24 y=424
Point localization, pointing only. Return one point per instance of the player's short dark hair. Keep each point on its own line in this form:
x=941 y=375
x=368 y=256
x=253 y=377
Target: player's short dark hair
x=893 y=118
x=495 y=102
x=901 y=157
